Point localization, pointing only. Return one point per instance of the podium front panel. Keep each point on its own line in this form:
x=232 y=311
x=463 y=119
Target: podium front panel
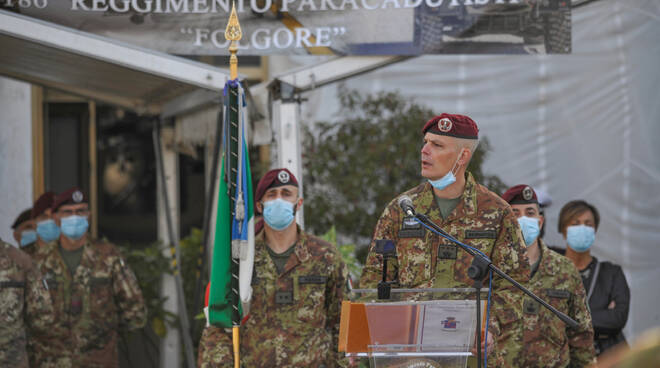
x=412 y=329
x=438 y=327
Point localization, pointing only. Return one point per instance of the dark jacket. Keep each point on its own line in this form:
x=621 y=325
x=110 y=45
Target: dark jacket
x=610 y=286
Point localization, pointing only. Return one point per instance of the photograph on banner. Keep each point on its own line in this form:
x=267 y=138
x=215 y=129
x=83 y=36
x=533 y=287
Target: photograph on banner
x=320 y=27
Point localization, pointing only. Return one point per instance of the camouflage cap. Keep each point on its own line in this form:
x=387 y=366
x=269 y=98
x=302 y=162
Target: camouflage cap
x=44 y=202
x=70 y=196
x=453 y=125
x=520 y=194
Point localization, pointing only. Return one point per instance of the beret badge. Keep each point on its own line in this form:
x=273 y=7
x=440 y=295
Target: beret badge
x=77 y=196
x=444 y=125
x=283 y=177
x=527 y=193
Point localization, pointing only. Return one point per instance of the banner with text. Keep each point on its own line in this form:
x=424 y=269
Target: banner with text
x=342 y=27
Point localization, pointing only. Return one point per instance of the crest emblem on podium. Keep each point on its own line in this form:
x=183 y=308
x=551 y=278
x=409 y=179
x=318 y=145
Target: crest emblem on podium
x=450 y=324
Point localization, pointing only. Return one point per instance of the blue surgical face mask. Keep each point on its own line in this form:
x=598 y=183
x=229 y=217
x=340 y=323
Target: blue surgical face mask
x=530 y=229
x=28 y=237
x=278 y=213
x=446 y=180
x=580 y=237
x=74 y=227
x=48 y=230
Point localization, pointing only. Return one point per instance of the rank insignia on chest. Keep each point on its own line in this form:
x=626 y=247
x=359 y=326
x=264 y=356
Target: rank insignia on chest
x=284 y=297
x=411 y=228
x=531 y=307
x=446 y=251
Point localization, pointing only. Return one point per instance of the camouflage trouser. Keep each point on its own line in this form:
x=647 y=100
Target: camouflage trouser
x=214 y=349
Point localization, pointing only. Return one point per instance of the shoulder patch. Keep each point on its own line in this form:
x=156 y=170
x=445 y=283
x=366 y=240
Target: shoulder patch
x=411 y=228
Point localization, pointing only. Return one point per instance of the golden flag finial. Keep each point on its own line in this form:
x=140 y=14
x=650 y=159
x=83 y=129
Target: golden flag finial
x=233 y=33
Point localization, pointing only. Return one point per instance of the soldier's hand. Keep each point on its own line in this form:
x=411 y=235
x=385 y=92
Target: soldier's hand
x=611 y=305
x=489 y=341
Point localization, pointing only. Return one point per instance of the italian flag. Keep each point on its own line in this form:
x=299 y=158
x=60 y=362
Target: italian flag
x=233 y=247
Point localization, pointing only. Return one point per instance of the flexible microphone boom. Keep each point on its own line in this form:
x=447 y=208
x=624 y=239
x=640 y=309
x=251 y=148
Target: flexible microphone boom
x=406 y=205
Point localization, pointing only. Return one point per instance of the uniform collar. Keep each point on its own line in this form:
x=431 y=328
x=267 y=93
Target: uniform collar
x=301 y=250
x=466 y=207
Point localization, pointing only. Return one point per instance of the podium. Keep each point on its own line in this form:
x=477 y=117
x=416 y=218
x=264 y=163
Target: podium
x=415 y=328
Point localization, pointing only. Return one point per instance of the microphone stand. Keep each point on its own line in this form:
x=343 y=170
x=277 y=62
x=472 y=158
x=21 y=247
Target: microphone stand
x=478 y=271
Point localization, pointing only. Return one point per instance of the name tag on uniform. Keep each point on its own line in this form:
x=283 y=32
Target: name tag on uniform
x=12 y=284
x=555 y=293
x=480 y=234
x=312 y=279
x=447 y=251
x=411 y=228
x=284 y=297
x=531 y=307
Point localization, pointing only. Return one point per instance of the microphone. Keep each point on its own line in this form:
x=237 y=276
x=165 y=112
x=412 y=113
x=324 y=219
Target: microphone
x=406 y=205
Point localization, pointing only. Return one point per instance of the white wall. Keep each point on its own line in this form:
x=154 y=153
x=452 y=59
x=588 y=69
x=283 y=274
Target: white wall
x=15 y=153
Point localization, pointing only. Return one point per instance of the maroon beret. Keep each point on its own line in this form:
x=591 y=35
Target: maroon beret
x=453 y=125
x=44 y=202
x=24 y=216
x=274 y=178
x=70 y=196
x=520 y=194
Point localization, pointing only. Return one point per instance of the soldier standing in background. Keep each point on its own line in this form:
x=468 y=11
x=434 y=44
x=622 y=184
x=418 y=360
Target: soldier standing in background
x=298 y=285
x=24 y=230
x=452 y=199
x=25 y=306
x=94 y=292
x=46 y=228
x=546 y=340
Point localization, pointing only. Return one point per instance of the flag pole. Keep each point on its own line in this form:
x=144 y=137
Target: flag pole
x=233 y=33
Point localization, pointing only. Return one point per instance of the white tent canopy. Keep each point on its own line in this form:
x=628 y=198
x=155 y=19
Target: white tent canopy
x=583 y=125
x=100 y=68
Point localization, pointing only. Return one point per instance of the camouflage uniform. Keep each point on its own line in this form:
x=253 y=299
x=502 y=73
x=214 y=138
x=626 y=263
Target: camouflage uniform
x=547 y=341
x=30 y=249
x=25 y=306
x=102 y=297
x=302 y=329
x=481 y=219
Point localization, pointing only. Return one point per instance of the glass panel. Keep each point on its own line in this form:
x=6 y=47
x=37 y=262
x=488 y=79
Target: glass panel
x=420 y=327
